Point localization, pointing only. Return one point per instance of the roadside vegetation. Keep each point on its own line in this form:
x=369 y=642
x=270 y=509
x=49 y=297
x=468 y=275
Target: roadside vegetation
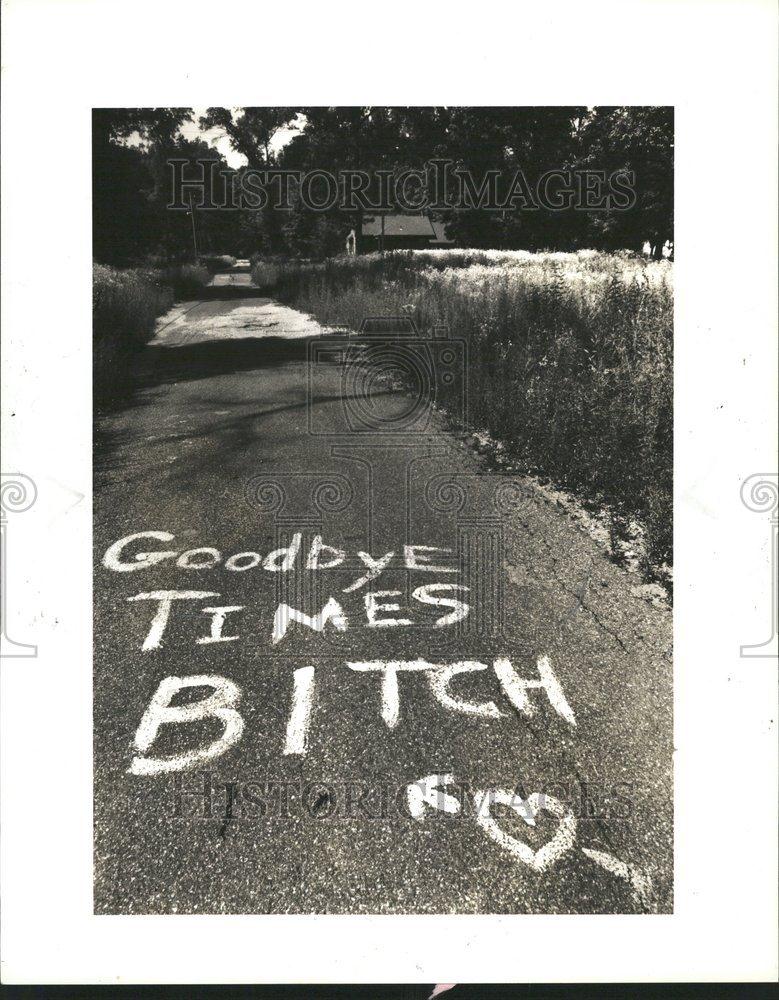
x=125 y=305
x=267 y=272
x=217 y=263
x=570 y=369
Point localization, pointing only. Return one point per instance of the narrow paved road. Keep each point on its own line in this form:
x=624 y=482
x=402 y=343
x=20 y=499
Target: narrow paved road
x=554 y=796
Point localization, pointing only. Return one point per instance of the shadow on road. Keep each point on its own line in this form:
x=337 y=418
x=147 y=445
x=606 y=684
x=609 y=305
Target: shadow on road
x=156 y=365
x=218 y=292
x=159 y=365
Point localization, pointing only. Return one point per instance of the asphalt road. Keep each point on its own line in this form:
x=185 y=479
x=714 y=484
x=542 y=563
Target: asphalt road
x=236 y=442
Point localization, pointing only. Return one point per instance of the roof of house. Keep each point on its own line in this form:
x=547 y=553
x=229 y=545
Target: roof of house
x=398 y=225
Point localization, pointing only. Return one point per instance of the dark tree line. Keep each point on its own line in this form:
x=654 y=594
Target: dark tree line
x=131 y=179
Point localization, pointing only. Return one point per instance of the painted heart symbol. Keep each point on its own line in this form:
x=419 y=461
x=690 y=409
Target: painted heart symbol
x=527 y=809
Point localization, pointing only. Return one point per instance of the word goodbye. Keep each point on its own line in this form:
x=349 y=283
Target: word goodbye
x=287 y=559
x=222 y=704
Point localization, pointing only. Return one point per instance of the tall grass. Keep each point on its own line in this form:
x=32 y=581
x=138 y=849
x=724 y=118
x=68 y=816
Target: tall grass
x=570 y=357
x=265 y=275
x=217 y=262
x=125 y=305
x=185 y=280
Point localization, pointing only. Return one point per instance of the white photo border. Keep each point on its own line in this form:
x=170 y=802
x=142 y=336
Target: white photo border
x=715 y=62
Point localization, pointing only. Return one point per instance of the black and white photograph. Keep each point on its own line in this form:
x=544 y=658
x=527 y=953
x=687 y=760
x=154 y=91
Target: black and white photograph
x=383 y=509
x=389 y=497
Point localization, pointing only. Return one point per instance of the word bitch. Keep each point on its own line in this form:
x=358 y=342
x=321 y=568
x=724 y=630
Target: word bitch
x=222 y=704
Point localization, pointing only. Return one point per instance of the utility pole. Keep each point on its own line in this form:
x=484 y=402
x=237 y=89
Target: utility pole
x=194 y=234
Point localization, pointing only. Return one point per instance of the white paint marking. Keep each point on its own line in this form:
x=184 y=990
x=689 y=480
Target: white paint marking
x=427 y=791
x=285 y=615
x=639 y=882
x=372 y=608
x=439 y=676
x=166 y=598
x=425 y=596
x=439 y=679
x=375 y=568
x=217 y=624
x=222 y=705
x=233 y=564
x=415 y=558
x=547 y=855
x=300 y=716
x=283 y=559
x=485 y=800
x=390 y=696
x=515 y=688
x=113 y=555
x=316 y=550
x=189 y=560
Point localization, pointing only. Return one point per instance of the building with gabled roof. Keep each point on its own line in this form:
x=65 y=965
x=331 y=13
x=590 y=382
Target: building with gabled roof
x=396 y=232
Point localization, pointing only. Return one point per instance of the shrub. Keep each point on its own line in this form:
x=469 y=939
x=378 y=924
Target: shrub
x=125 y=305
x=265 y=274
x=217 y=262
x=187 y=280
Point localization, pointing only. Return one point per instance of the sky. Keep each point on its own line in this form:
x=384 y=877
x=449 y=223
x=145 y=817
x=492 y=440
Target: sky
x=191 y=130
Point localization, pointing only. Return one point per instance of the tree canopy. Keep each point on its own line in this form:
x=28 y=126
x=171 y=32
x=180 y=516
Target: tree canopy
x=131 y=148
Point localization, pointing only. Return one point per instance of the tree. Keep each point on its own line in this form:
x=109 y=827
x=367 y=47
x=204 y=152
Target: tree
x=250 y=130
x=640 y=139
x=131 y=145
x=124 y=222
x=217 y=231
x=153 y=125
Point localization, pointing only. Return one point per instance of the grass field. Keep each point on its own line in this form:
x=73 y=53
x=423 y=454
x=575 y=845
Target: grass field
x=570 y=358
